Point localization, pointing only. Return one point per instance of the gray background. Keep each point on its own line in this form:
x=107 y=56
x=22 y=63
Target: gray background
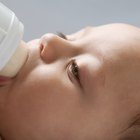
x=67 y=16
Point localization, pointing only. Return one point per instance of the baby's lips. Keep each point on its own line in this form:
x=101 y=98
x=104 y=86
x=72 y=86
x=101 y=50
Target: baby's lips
x=4 y=80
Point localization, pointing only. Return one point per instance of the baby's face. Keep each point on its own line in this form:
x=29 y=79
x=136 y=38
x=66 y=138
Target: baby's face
x=80 y=88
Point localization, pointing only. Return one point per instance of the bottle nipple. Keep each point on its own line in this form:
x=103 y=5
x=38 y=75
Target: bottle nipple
x=16 y=61
x=13 y=51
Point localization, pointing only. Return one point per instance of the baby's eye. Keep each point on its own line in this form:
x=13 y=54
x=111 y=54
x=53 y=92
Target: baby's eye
x=73 y=72
x=75 y=69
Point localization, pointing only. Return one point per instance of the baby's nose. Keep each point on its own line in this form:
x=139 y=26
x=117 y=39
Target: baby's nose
x=54 y=47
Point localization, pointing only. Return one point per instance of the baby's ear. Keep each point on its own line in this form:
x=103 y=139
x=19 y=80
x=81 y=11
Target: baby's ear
x=4 y=80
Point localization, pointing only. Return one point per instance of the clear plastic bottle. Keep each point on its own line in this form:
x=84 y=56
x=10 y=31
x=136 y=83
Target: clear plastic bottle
x=13 y=52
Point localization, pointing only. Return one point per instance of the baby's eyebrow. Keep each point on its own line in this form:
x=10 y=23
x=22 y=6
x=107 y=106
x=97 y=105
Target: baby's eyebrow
x=62 y=35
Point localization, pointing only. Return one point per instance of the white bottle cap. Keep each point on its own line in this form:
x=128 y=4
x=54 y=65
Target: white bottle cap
x=11 y=33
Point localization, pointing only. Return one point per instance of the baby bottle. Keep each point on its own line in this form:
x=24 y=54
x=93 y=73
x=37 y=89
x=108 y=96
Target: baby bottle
x=13 y=53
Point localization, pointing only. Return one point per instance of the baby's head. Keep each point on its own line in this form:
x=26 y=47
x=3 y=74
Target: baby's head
x=84 y=86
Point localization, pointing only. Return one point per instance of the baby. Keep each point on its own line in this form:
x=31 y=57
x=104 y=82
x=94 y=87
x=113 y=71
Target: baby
x=84 y=86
